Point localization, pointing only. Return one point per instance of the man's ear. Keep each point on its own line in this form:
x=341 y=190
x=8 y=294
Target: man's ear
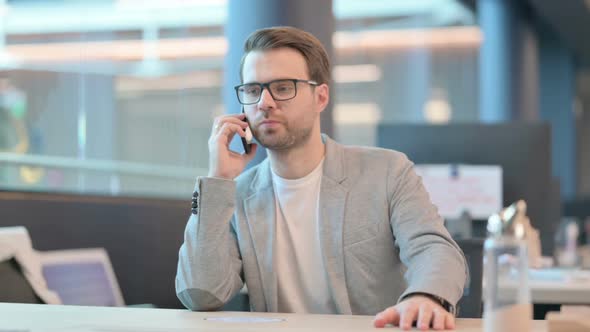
x=322 y=92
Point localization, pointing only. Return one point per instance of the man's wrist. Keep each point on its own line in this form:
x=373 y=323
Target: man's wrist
x=221 y=192
x=443 y=303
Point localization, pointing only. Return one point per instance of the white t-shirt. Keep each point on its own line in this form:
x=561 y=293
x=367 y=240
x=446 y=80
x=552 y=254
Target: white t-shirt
x=301 y=274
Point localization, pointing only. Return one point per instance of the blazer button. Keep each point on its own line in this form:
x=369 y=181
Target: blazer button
x=195 y=203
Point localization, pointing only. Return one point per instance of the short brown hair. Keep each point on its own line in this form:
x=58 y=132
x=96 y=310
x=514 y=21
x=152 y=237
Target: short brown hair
x=316 y=57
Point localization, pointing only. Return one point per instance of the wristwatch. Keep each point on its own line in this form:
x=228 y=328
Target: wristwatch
x=443 y=303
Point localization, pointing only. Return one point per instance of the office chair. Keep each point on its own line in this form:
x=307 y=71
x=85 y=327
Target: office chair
x=470 y=305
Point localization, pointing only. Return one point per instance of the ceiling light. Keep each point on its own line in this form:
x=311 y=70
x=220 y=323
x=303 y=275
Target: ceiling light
x=357 y=113
x=356 y=73
x=216 y=47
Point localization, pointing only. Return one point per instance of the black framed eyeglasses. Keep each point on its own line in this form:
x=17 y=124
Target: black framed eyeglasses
x=279 y=90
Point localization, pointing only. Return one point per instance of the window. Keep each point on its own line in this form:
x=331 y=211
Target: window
x=117 y=97
x=403 y=62
x=108 y=97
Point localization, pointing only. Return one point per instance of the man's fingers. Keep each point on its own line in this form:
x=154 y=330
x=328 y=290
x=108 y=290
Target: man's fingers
x=449 y=321
x=420 y=309
x=388 y=316
x=424 y=317
x=379 y=321
x=229 y=116
x=217 y=128
x=221 y=120
x=230 y=129
x=408 y=317
x=439 y=319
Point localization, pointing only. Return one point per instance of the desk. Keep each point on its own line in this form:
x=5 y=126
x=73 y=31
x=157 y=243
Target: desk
x=560 y=286
x=553 y=292
x=54 y=318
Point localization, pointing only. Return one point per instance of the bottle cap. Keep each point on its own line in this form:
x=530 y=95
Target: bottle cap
x=506 y=222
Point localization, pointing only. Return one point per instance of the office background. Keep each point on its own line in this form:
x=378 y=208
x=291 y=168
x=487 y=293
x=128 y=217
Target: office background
x=106 y=106
x=117 y=97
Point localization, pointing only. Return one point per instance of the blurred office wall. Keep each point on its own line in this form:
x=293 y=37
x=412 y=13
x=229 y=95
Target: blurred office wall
x=117 y=97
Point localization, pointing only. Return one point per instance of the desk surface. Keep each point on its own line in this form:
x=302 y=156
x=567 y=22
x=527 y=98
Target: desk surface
x=53 y=318
x=560 y=286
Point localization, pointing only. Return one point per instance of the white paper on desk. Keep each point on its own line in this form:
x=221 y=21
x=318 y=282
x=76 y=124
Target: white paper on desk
x=131 y=328
x=457 y=188
x=245 y=319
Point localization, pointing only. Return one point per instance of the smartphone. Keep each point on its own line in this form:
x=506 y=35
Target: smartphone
x=247 y=141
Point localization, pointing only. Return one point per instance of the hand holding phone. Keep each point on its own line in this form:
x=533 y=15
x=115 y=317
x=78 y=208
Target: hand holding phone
x=223 y=162
x=247 y=140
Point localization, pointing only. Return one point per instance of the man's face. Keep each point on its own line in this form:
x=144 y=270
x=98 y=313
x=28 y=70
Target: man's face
x=280 y=125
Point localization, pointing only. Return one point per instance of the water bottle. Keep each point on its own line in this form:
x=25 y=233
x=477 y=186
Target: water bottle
x=507 y=305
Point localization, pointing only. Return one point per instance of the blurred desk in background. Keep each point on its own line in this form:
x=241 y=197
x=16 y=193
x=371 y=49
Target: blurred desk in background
x=553 y=287
x=560 y=286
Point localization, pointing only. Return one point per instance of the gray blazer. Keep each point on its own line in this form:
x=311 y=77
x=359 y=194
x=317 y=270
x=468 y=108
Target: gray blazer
x=380 y=235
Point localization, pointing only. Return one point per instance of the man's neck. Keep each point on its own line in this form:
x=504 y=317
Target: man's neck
x=299 y=161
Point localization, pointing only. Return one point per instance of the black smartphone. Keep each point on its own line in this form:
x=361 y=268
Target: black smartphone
x=247 y=141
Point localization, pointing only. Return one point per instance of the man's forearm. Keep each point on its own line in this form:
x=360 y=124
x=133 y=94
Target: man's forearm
x=209 y=264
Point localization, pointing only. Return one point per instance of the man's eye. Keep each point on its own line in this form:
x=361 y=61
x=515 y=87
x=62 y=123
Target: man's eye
x=283 y=88
x=251 y=90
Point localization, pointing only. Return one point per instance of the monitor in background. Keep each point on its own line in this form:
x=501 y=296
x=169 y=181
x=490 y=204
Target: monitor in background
x=456 y=189
x=82 y=277
x=521 y=149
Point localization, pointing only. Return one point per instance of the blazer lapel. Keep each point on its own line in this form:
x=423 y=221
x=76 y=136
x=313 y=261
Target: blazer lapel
x=260 y=214
x=333 y=195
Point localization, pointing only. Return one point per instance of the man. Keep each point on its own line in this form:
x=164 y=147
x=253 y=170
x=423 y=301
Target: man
x=317 y=227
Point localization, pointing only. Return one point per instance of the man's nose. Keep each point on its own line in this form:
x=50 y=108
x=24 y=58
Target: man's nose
x=266 y=100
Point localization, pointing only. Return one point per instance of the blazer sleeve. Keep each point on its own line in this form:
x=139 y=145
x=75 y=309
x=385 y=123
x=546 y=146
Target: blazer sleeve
x=209 y=270
x=435 y=263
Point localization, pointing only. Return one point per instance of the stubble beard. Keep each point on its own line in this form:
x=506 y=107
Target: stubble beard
x=273 y=140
